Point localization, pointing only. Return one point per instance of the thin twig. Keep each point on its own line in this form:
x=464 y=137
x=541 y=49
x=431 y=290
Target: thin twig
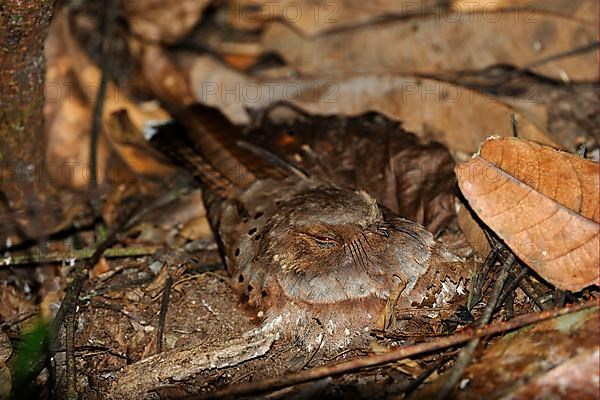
x=531 y=292
x=465 y=356
x=475 y=294
x=394 y=355
x=512 y=286
x=560 y=297
x=88 y=350
x=513 y=123
x=509 y=305
x=163 y=314
x=109 y=23
x=77 y=255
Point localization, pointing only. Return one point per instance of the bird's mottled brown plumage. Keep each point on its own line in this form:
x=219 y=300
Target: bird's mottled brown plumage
x=317 y=260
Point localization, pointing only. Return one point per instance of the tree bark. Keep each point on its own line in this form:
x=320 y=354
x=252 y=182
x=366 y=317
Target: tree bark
x=23 y=29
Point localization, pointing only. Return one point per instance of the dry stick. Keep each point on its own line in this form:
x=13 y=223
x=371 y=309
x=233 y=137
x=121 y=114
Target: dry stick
x=507 y=299
x=509 y=306
x=109 y=23
x=512 y=287
x=466 y=335
x=560 y=297
x=531 y=292
x=475 y=295
x=465 y=356
x=513 y=123
x=163 y=314
x=77 y=254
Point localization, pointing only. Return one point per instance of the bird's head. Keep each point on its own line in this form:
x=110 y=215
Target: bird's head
x=331 y=244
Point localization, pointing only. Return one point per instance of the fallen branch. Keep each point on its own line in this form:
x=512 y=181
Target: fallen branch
x=136 y=380
x=280 y=382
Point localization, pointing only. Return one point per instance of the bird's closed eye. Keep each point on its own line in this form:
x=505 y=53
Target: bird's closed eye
x=325 y=241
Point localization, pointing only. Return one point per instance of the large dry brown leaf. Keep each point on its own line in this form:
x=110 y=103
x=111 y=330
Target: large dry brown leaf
x=433 y=45
x=455 y=116
x=314 y=18
x=555 y=359
x=543 y=203
x=130 y=144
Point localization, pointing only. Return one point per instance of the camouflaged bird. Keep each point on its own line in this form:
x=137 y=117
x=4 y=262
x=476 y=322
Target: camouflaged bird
x=318 y=261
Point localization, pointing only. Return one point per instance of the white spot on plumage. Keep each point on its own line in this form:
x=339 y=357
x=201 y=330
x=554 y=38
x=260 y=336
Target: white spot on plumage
x=330 y=327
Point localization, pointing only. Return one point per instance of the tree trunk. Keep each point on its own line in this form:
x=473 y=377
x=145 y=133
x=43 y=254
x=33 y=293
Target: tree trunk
x=23 y=29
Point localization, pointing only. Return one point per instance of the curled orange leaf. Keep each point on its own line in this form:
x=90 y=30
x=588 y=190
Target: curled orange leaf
x=543 y=203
